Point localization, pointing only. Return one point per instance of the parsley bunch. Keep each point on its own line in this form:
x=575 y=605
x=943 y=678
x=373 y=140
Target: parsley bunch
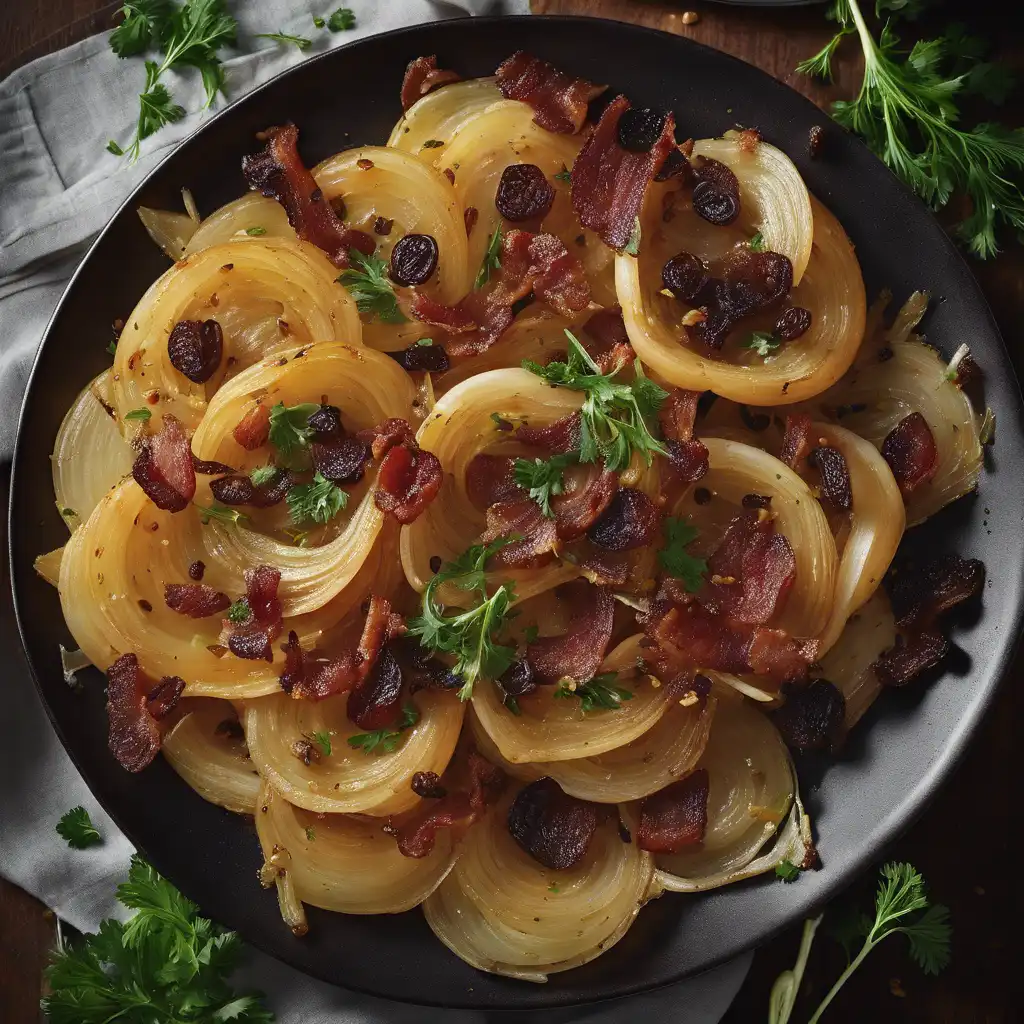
x=77 y=830
x=907 y=113
x=602 y=693
x=165 y=964
x=469 y=635
x=368 y=282
x=319 y=501
x=189 y=35
x=385 y=741
x=543 y=478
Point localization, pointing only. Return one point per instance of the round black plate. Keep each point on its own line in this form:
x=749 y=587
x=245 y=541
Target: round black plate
x=896 y=758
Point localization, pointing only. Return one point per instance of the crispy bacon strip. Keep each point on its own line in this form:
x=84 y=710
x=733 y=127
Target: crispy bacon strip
x=796 y=441
x=559 y=437
x=609 y=182
x=196 y=600
x=385 y=436
x=687 y=457
x=588 y=491
x=812 y=717
x=834 y=475
x=163 y=468
x=559 y=102
x=676 y=816
x=252 y=639
x=254 y=429
x=554 y=828
x=577 y=653
x=421 y=76
x=911 y=452
x=491 y=479
x=279 y=173
x=605 y=339
x=375 y=700
x=134 y=736
x=524 y=519
x=407 y=482
x=163 y=698
x=631 y=520
x=910 y=656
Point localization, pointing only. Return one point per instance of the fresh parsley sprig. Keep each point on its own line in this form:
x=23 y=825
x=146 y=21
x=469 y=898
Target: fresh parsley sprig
x=323 y=741
x=907 y=113
x=468 y=635
x=77 y=830
x=239 y=611
x=299 y=42
x=342 y=20
x=676 y=560
x=901 y=907
x=764 y=343
x=262 y=475
x=368 y=282
x=385 y=740
x=602 y=693
x=221 y=514
x=290 y=432
x=318 y=502
x=492 y=258
x=165 y=964
x=613 y=419
x=543 y=478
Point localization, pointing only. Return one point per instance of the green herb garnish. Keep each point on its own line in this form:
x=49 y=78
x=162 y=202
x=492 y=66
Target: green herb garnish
x=77 y=830
x=385 y=740
x=239 y=611
x=633 y=245
x=598 y=694
x=764 y=343
x=318 y=22
x=756 y=244
x=220 y=514
x=492 y=258
x=323 y=741
x=370 y=286
x=564 y=174
x=543 y=478
x=290 y=431
x=256 y=231
x=141 y=415
x=112 y=348
x=675 y=559
x=342 y=20
x=432 y=144
x=319 y=501
x=310 y=833
x=263 y=475
x=787 y=871
x=299 y=42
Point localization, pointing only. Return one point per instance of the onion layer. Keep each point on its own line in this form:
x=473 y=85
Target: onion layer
x=439 y=114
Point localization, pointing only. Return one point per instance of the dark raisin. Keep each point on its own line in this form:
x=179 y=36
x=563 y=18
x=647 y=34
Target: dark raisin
x=716 y=196
x=326 y=421
x=240 y=490
x=812 y=717
x=684 y=276
x=553 y=828
x=792 y=323
x=196 y=570
x=382 y=226
x=435 y=563
x=342 y=461
x=195 y=348
x=835 y=476
x=413 y=260
x=524 y=193
x=753 y=281
x=429 y=358
x=374 y=702
x=713 y=329
x=338 y=206
x=702 y=496
x=428 y=785
x=756 y=501
x=640 y=128
x=518 y=679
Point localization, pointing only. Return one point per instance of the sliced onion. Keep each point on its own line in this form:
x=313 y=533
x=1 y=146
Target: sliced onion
x=48 y=565
x=832 y=289
x=213 y=763
x=348 y=780
x=439 y=114
x=503 y=912
x=171 y=231
x=347 y=864
x=89 y=455
x=234 y=221
x=848 y=665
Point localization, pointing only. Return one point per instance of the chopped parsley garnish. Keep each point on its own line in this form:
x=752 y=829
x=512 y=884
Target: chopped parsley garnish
x=290 y=431
x=564 y=174
x=787 y=871
x=319 y=501
x=221 y=514
x=318 y=22
x=77 y=830
x=675 y=559
x=492 y=258
x=112 y=348
x=756 y=244
x=141 y=415
x=633 y=245
x=256 y=231
x=323 y=741
x=613 y=417
x=530 y=634
x=764 y=343
x=239 y=611
x=310 y=833
x=432 y=144
x=385 y=740
x=368 y=282
x=300 y=42
x=553 y=887
x=263 y=475
x=68 y=513
x=598 y=694
x=342 y=20
x=468 y=635
x=500 y=422
x=543 y=478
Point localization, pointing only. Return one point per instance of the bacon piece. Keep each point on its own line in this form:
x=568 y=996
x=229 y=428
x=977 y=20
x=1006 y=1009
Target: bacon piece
x=407 y=482
x=688 y=461
x=491 y=479
x=422 y=75
x=609 y=182
x=605 y=568
x=606 y=341
x=678 y=414
x=631 y=520
x=163 y=467
x=254 y=429
x=911 y=452
x=554 y=828
x=279 y=173
x=588 y=491
x=163 y=698
x=577 y=653
x=921 y=592
x=385 y=436
x=558 y=438
x=834 y=475
x=909 y=657
x=134 y=736
x=559 y=102
x=751 y=571
x=196 y=600
x=252 y=639
x=676 y=816
x=427 y=785
x=796 y=441
x=812 y=717
x=462 y=807
x=458 y=319
x=375 y=700
x=524 y=519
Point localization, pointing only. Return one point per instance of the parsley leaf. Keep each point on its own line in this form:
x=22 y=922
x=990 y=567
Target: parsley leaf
x=612 y=424
x=323 y=741
x=564 y=174
x=318 y=22
x=255 y=231
x=299 y=42
x=632 y=247
x=756 y=243
x=319 y=501
x=145 y=21
x=142 y=415
x=543 y=478
x=290 y=431
x=342 y=20
x=787 y=871
x=263 y=475
x=370 y=286
x=239 y=611
x=675 y=559
x=166 y=963
x=764 y=343
x=385 y=740
x=221 y=514
x=598 y=694
x=468 y=635
x=310 y=834
x=77 y=830
x=492 y=258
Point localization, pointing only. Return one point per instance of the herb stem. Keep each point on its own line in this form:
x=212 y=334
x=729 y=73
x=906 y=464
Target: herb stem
x=787 y=985
x=850 y=968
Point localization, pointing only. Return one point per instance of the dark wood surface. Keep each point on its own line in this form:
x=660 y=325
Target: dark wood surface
x=962 y=843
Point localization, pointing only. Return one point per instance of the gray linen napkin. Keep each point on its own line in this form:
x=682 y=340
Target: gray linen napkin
x=57 y=189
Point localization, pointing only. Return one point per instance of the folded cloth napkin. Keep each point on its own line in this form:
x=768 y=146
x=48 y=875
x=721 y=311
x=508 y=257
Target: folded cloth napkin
x=58 y=187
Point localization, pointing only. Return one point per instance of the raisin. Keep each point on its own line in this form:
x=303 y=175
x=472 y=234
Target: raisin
x=716 y=196
x=341 y=461
x=684 y=276
x=524 y=193
x=753 y=281
x=195 y=348
x=413 y=260
x=792 y=323
x=326 y=421
x=518 y=679
x=428 y=358
x=640 y=128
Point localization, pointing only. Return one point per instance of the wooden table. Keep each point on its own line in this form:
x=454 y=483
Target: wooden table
x=962 y=842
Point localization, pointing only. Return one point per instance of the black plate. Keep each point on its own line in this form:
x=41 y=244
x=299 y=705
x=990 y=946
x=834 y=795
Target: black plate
x=897 y=758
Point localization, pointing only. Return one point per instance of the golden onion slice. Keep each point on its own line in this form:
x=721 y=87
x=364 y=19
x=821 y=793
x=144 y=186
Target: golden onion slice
x=89 y=456
x=48 y=565
x=348 y=780
x=439 y=114
x=267 y=294
x=751 y=794
x=459 y=428
x=503 y=912
x=345 y=863
x=831 y=288
x=251 y=216
x=211 y=759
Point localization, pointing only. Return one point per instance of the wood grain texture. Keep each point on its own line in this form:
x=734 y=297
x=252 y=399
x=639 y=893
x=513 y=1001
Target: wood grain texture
x=962 y=842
